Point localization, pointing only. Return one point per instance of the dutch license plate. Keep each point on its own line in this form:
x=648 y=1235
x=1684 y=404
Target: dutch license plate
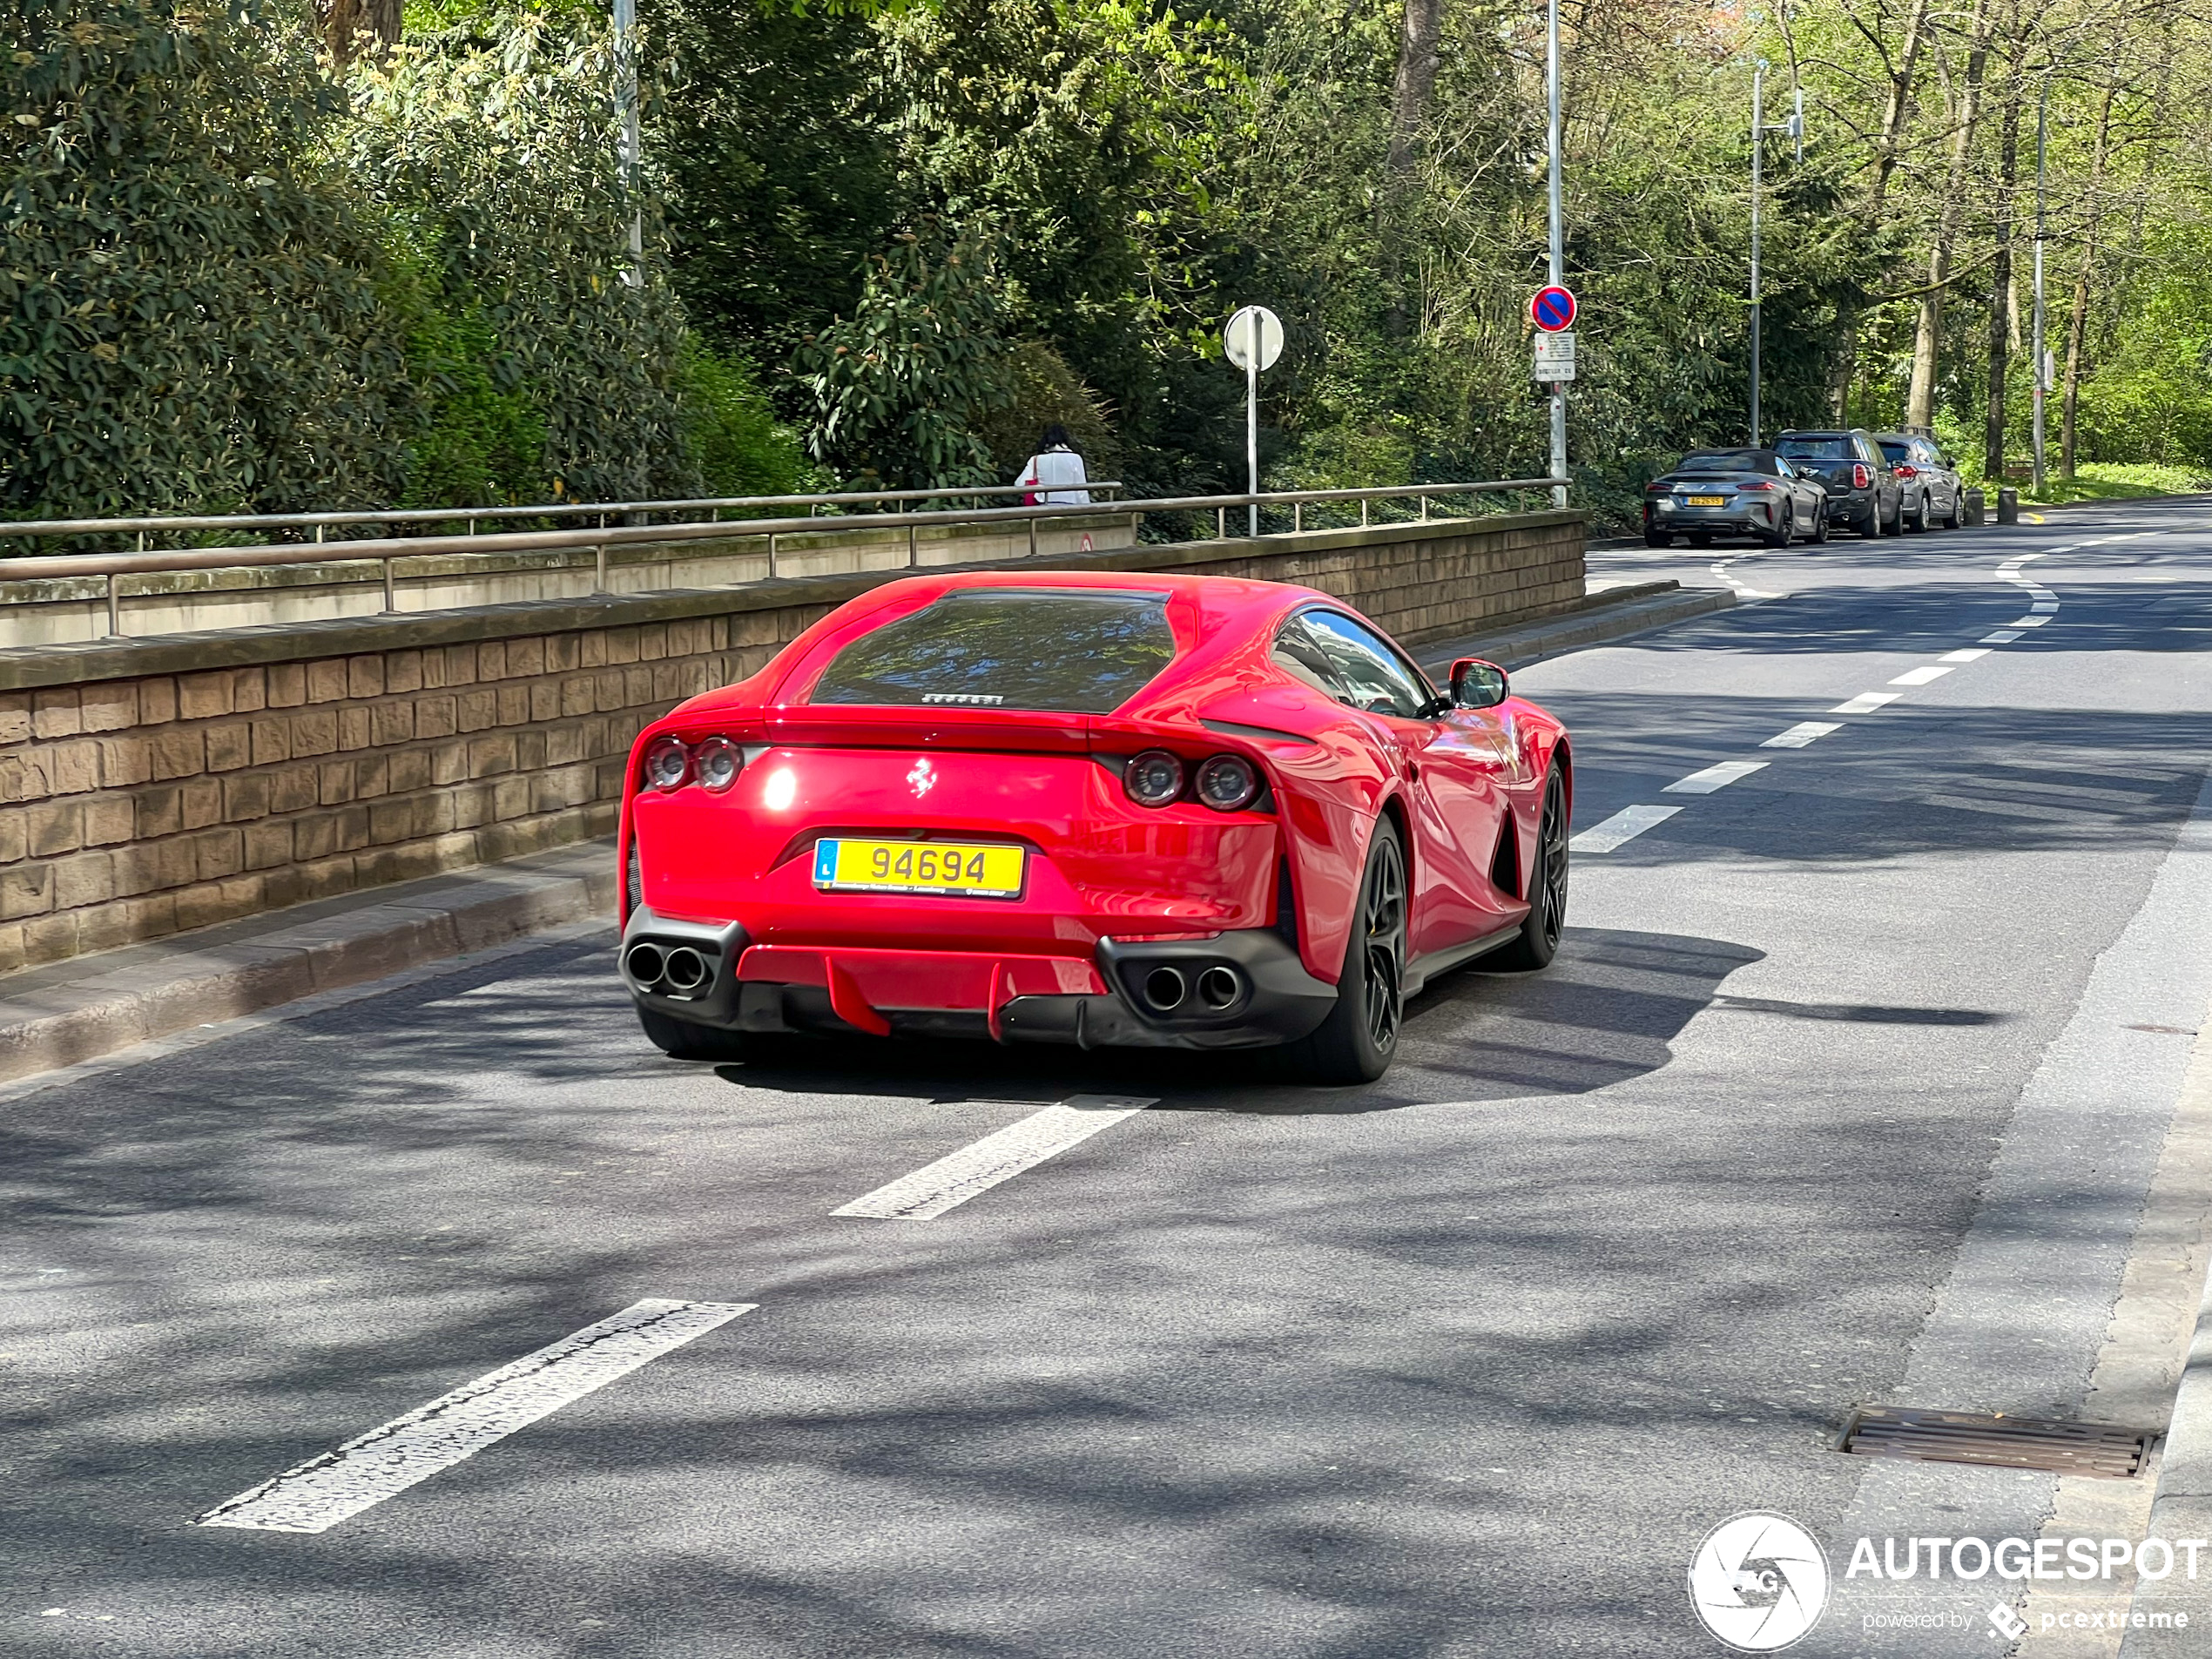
x=945 y=867
x=1709 y=501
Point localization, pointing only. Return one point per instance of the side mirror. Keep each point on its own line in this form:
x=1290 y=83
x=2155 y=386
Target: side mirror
x=1477 y=684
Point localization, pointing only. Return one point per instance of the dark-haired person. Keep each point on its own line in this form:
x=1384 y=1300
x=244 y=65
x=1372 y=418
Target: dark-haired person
x=1054 y=476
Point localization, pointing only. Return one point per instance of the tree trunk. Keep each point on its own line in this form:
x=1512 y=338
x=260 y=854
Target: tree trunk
x=347 y=23
x=1919 y=411
x=1409 y=98
x=2076 y=323
x=1886 y=151
x=2000 y=274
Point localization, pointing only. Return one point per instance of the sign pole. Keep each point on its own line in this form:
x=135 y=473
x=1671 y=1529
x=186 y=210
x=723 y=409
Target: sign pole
x=626 y=104
x=1251 y=427
x=1558 y=244
x=1758 y=144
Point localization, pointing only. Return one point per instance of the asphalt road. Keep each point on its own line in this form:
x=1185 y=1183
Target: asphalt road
x=1463 y=1363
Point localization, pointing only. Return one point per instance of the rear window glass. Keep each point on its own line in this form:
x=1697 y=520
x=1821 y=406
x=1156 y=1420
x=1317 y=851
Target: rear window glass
x=1728 y=461
x=1896 y=451
x=996 y=648
x=1835 y=448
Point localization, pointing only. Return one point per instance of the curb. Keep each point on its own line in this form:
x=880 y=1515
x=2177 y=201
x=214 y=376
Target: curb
x=1614 y=614
x=89 y=1007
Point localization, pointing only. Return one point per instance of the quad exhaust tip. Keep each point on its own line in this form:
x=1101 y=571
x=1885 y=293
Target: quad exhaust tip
x=668 y=970
x=1219 y=987
x=1165 y=990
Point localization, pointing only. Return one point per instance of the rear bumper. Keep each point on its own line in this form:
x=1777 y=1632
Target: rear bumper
x=1742 y=518
x=1133 y=994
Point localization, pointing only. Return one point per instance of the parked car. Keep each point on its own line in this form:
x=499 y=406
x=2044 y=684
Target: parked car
x=1927 y=478
x=1863 y=492
x=1149 y=811
x=1735 y=492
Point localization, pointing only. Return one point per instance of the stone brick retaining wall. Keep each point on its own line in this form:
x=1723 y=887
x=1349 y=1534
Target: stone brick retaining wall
x=153 y=786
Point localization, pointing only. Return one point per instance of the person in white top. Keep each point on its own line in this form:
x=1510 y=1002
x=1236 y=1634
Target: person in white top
x=1056 y=465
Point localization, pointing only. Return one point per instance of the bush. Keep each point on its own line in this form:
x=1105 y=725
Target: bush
x=737 y=444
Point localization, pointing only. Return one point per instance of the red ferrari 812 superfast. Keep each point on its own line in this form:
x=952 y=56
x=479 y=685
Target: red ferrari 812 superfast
x=1098 y=809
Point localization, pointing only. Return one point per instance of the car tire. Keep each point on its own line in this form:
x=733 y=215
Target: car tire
x=1820 y=529
x=681 y=1040
x=1870 y=526
x=1355 y=1044
x=1785 y=533
x=1701 y=538
x=1539 y=938
x=1896 y=526
x=1657 y=538
x=1921 y=520
x=1951 y=518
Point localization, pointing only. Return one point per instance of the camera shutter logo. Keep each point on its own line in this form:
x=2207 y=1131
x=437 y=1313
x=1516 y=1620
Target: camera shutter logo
x=1758 y=1582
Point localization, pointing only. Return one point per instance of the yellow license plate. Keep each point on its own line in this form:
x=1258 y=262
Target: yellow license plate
x=946 y=867
x=1709 y=501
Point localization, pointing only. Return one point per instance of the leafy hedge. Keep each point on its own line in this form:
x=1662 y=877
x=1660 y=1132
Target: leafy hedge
x=228 y=281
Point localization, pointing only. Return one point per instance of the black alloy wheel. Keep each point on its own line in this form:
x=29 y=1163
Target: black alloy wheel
x=1820 y=527
x=1539 y=938
x=1786 y=531
x=1355 y=1043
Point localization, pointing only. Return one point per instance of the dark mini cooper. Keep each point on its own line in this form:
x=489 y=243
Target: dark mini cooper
x=1863 y=490
x=1735 y=492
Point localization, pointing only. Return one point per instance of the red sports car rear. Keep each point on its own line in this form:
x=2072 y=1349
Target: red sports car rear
x=1088 y=809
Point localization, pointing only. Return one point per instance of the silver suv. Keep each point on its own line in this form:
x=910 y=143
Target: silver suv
x=1926 y=478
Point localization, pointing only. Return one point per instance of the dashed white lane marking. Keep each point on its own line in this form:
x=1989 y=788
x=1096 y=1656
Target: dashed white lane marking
x=2002 y=636
x=1801 y=734
x=1866 y=703
x=2027 y=621
x=1623 y=826
x=1744 y=590
x=2043 y=608
x=958 y=1176
x=1713 y=778
x=1969 y=654
x=1923 y=676
x=320 y=1494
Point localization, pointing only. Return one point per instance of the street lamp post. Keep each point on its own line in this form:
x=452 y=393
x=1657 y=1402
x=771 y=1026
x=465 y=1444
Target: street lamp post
x=2042 y=378
x=1558 y=266
x=626 y=106
x=1795 y=127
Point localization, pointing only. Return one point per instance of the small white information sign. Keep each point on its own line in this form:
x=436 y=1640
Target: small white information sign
x=1555 y=356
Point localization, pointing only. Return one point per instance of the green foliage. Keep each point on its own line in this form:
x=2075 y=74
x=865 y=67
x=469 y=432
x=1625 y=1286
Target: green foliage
x=737 y=443
x=2151 y=400
x=189 y=298
x=899 y=387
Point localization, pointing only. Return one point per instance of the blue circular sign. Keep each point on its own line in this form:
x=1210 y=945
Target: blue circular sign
x=1553 y=309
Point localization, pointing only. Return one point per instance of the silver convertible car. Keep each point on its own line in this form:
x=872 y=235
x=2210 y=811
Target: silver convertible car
x=1735 y=492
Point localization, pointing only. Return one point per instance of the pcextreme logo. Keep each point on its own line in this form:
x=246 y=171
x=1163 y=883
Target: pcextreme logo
x=1758 y=1582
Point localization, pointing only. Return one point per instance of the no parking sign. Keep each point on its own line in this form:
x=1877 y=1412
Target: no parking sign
x=1553 y=309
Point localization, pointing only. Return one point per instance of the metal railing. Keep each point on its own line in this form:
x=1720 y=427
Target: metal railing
x=388 y=550
x=179 y=523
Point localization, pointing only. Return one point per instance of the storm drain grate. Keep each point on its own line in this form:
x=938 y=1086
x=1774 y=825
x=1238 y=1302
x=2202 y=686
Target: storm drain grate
x=1998 y=1441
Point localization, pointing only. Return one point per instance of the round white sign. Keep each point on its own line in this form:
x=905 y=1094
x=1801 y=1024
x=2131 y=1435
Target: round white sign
x=1758 y=1582
x=1254 y=332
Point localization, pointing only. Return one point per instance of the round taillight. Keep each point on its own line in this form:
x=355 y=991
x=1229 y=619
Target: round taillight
x=1228 y=783
x=718 y=762
x=1153 y=778
x=667 y=764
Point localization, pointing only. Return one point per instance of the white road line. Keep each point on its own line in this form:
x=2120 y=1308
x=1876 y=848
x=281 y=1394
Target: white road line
x=1866 y=703
x=320 y=1494
x=1921 y=676
x=1970 y=654
x=2002 y=636
x=1801 y=734
x=2027 y=621
x=958 y=1176
x=1713 y=778
x=2044 y=607
x=1623 y=826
